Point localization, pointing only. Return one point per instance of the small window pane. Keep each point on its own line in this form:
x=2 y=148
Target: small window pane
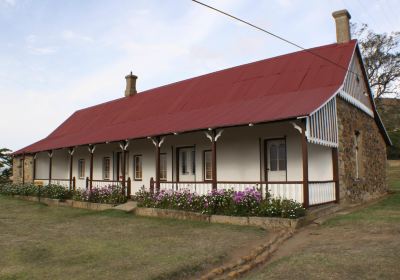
x=273 y=155
x=193 y=162
x=207 y=165
x=81 y=168
x=282 y=156
x=184 y=162
x=106 y=168
x=138 y=167
x=163 y=167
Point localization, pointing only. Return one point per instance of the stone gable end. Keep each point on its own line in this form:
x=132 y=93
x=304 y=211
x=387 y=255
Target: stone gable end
x=372 y=155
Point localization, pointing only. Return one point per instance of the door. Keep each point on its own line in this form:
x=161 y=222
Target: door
x=187 y=164
x=120 y=164
x=276 y=160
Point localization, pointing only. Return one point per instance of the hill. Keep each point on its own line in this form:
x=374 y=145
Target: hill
x=389 y=109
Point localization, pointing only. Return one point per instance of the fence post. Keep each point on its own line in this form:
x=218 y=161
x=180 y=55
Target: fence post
x=74 y=184
x=151 y=185
x=128 y=189
x=87 y=182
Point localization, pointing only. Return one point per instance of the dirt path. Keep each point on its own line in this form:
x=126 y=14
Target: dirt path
x=358 y=243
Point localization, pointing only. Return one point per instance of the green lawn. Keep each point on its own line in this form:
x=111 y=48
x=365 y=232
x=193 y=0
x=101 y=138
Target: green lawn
x=41 y=242
x=361 y=245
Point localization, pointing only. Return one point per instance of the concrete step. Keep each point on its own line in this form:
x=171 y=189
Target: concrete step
x=129 y=206
x=318 y=212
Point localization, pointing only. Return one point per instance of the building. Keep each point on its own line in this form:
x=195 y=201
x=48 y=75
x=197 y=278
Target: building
x=302 y=125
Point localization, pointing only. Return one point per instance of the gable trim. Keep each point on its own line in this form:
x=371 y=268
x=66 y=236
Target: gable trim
x=356 y=103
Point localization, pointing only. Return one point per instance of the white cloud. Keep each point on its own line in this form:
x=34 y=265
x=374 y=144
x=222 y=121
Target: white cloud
x=33 y=47
x=41 y=50
x=72 y=36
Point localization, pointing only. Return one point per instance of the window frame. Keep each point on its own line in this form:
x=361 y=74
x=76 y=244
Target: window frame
x=285 y=157
x=81 y=168
x=20 y=167
x=204 y=166
x=193 y=158
x=105 y=159
x=278 y=153
x=266 y=157
x=135 y=178
x=184 y=163
x=357 y=143
x=161 y=167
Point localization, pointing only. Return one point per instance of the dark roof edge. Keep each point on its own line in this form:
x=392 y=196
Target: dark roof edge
x=23 y=150
x=377 y=117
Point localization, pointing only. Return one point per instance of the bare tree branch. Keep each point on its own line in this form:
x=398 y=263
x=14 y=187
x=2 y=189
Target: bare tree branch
x=381 y=53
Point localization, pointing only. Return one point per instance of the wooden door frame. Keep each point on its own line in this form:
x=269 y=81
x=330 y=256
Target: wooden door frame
x=266 y=169
x=118 y=155
x=177 y=150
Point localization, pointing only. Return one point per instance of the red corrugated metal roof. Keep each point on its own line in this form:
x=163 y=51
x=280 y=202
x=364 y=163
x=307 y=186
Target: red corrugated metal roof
x=279 y=88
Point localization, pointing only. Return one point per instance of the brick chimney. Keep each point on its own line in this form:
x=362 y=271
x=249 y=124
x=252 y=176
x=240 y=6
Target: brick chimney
x=130 y=85
x=342 y=19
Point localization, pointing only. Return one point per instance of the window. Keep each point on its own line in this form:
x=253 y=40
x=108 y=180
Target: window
x=273 y=155
x=20 y=167
x=277 y=156
x=81 y=169
x=137 y=163
x=357 y=152
x=193 y=162
x=106 y=168
x=282 y=156
x=184 y=162
x=207 y=165
x=163 y=167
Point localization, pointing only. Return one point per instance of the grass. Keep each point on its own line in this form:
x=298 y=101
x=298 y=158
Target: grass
x=360 y=245
x=41 y=242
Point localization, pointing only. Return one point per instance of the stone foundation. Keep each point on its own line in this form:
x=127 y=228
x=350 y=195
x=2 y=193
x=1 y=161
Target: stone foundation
x=371 y=182
x=268 y=223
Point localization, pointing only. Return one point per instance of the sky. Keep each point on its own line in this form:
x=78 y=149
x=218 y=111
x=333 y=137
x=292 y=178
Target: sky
x=57 y=57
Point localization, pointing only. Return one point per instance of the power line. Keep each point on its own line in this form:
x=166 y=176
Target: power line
x=275 y=35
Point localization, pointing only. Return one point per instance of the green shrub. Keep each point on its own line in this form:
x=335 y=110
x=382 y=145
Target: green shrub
x=49 y=191
x=283 y=208
x=55 y=192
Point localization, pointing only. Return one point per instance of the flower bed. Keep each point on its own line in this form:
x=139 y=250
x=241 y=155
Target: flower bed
x=111 y=194
x=223 y=202
x=49 y=191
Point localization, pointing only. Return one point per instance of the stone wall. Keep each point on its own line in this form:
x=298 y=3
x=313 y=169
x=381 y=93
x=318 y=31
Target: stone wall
x=372 y=155
x=17 y=169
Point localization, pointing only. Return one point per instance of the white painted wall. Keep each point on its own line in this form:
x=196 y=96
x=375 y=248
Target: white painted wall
x=320 y=166
x=42 y=165
x=238 y=156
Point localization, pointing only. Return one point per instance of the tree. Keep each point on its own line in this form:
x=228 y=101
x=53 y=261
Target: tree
x=5 y=164
x=381 y=53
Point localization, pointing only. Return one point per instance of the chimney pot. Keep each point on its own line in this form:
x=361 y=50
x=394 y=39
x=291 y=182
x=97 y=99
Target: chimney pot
x=130 y=85
x=342 y=19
